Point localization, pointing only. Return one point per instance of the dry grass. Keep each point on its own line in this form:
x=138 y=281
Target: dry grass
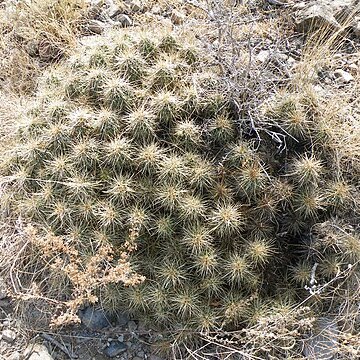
x=33 y=33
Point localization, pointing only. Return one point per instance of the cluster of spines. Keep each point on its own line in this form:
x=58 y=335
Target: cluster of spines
x=137 y=133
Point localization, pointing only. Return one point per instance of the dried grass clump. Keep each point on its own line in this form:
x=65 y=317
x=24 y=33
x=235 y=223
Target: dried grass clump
x=34 y=33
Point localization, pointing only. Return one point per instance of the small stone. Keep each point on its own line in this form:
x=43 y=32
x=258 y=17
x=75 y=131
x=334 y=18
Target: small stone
x=316 y=16
x=343 y=76
x=323 y=344
x=113 y=11
x=122 y=319
x=156 y=10
x=155 y=357
x=32 y=47
x=140 y=354
x=15 y=356
x=299 y=6
x=320 y=90
x=177 y=17
x=3 y=291
x=291 y=61
x=356 y=29
x=263 y=55
x=137 y=358
x=4 y=303
x=123 y=20
x=8 y=335
x=353 y=69
x=94 y=319
x=114 y=349
x=281 y=57
x=132 y=326
x=95 y=26
x=135 y=5
x=37 y=352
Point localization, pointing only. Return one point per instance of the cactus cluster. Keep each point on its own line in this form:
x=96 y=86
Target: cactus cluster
x=135 y=131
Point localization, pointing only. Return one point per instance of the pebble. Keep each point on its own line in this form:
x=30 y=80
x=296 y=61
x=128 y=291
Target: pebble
x=299 y=6
x=123 y=20
x=113 y=11
x=8 y=335
x=357 y=29
x=135 y=5
x=323 y=344
x=343 y=76
x=4 y=303
x=95 y=26
x=114 y=349
x=15 y=356
x=156 y=10
x=132 y=326
x=122 y=319
x=140 y=354
x=94 y=319
x=263 y=55
x=291 y=61
x=353 y=68
x=3 y=291
x=38 y=352
x=154 y=357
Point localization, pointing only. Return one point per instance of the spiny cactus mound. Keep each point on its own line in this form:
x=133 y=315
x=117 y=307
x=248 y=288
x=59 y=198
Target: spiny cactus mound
x=134 y=132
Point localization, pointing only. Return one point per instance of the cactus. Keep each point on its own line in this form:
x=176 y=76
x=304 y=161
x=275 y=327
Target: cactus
x=139 y=132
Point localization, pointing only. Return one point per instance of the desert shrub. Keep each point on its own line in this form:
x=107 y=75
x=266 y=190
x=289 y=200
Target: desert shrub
x=134 y=137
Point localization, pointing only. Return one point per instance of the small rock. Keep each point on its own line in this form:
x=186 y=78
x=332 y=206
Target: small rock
x=137 y=358
x=37 y=352
x=322 y=346
x=4 y=303
x=115 y=348
x=299 y=6
x=353 y=69
x=291 y=61
x=316 y=16
x=356 y=29
x=15 y=356
x=343 y=76
x=123 y=20
x=141 y=354
x=154 y=357
x=263 y=55
x=122 y=319
x=277 y=2
x=94 y=319
x=8 y=335
x=3 y=291
x=156 y=10
x=132 y=326
x=95 y=26
x=177 y=17
x=135 y=5
x=113 y=11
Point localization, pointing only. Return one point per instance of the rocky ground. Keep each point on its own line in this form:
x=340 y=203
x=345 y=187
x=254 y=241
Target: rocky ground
x=100 y=336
